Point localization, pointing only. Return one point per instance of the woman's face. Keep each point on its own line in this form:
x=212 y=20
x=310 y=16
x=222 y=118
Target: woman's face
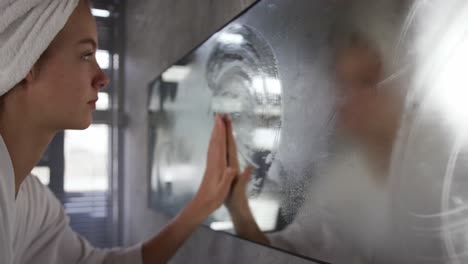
x=365 y=110
x=63 y=92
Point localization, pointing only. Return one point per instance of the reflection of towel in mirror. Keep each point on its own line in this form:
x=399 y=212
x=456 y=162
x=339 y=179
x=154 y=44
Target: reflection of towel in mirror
x=345 y=218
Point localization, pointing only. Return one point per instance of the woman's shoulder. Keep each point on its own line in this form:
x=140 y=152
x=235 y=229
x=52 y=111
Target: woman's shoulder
x=33 y=187
x=35 y=196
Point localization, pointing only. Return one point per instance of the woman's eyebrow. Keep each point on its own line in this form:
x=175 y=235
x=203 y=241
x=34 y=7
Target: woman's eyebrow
x=88 y=41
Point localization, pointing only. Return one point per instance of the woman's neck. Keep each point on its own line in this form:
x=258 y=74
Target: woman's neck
x=380 y=151
x=25 y=143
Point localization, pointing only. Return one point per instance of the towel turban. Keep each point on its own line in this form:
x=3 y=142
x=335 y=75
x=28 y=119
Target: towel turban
x=27 y=27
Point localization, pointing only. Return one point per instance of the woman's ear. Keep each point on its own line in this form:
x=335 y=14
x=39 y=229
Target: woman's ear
x=31 y=76
x=26 y=82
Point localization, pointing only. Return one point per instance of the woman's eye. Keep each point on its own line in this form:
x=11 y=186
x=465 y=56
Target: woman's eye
x=88 y=56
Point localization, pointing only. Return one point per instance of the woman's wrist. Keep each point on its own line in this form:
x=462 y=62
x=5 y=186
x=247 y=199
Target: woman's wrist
x=197 y=210
x=246 y=227
x=240 y=212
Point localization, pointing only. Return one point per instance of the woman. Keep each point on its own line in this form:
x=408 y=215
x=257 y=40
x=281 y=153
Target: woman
x=345 y=216
x=326 y=225
x=49 y=81
x=415 y=138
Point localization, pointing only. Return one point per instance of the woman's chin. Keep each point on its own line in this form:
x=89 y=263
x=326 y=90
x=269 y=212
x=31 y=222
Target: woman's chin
x=79 y=125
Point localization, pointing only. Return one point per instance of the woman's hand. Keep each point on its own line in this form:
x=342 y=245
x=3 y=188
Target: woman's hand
x=237 y=201
x=218 y=176
x=213 y=191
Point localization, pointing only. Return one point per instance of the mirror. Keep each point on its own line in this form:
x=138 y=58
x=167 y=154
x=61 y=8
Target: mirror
x=352 y=114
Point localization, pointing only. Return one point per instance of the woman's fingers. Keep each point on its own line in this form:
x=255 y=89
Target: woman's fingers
x=222 y=142
x=228 y=177
x=217 y=157
x=245 y=176
x=237 y=201
x=241 y=182
x=232 y=148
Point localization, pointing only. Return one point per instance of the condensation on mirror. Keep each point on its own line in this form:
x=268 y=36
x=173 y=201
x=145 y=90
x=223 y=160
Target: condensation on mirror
x=353 y=115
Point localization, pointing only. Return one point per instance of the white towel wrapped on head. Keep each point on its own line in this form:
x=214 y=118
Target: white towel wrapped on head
x=27 y=27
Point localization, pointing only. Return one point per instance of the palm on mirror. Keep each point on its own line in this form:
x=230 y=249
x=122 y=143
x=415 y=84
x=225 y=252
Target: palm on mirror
x=237 y=201
x=213 y=191
x=218 y=176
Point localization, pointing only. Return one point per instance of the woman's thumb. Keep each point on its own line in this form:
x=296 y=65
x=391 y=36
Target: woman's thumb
x=228 y=177
x=245 y=176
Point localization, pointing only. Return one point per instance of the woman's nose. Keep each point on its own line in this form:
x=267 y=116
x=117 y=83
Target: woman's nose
x=101 y=80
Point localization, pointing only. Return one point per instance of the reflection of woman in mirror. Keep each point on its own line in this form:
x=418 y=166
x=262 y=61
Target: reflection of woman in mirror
x=345 y=218
x=352 y=215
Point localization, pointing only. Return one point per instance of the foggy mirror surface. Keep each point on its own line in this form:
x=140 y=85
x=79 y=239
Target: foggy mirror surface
x=353 y=114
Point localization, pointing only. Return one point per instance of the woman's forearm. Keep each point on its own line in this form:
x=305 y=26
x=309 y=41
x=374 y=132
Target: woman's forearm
x=162 y=247
x=246 y=227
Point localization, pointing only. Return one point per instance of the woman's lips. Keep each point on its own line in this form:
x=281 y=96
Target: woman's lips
x=92 y=103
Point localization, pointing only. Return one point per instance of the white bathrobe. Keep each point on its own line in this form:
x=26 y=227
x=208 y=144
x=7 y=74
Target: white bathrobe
x=345 y=218
x=35 y=229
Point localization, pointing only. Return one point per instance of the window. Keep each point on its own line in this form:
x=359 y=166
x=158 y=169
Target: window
x=86 y=159
x=43 y=173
